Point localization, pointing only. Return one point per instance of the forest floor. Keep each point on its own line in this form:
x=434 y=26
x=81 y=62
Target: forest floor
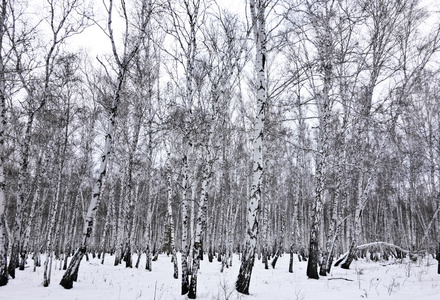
x=365 y=279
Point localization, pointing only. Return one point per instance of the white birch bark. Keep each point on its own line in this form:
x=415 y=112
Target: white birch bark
x=72 y=271
x=35 y=200
x=110 y=209
x=362 y=198
x=325 y=50
x=147 y=235
x=54 y=207
x=257 y=11
x=192 y=10
x=185 y=219
x=3 y=241
x=122 y=219
x=201 y=214
x=170 y=216
x=61 y=28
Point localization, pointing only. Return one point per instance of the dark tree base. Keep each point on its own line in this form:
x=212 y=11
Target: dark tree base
x=195 y=269
x=275 y=259
x=210 y=255
x=71 y=274
x=291 y=260
x=351 y=254
x=13 y=263
x=176 y=267
x=312 y=269
x=438 y=259
x=185 y=288
x=244 y=276
x=193 y=288
x=312 y=264
x=185 y=278
x=137 y=261
x=347 y=262
x=148 y=262
x=3 y=279
x=128 y=260
x=22 y=262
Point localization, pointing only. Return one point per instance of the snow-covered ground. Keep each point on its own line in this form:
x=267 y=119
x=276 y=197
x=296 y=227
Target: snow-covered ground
x=370 y=280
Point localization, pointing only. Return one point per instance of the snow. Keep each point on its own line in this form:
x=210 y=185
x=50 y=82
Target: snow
x=372 y=280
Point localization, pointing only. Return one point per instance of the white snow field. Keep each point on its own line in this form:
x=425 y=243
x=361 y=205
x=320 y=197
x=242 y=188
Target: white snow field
x=365 y=280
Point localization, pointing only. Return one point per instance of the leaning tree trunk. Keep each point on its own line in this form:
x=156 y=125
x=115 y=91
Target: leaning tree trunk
x=362 y=200
x=253 y=204
x=72 y=271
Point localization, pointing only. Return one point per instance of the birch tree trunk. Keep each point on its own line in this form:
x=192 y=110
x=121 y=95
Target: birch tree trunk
x=325 y=42
x=201 y=216
x=335 y=222
x=362 y=197
x=3 y=242
x=109 y=218
x=257 y=10
x=189 y=47
x=35 y=200
x=185 y=219
x=54 y=207
x=128 y=205
x=72 y=271
x=62 y=27
x=170 y=216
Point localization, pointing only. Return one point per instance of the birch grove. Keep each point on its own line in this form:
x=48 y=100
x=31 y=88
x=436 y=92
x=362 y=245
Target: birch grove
x=242 y=132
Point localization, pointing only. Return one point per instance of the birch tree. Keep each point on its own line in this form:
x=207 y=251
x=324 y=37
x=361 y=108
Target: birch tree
x=258 y=17
x=387 y=19
x=169 y=174
x=123 y=63
x=185 y=21
x=65 y=20
x=68 y=75
x=3 y=242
